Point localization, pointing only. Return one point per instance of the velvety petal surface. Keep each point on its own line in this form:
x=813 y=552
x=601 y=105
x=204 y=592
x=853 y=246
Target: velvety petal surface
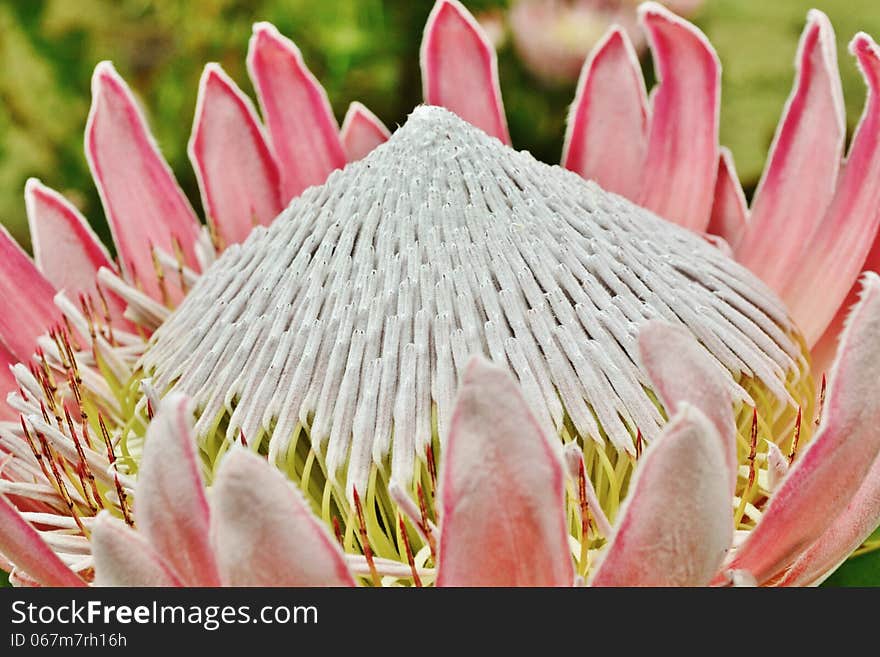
x=66 y=250
x=171 y=509
x=682 y=371
x=361 y=132
x=837 y=251
x=607 y=127
x=264 y=532
x=677 y=522
x=237 y=173
x=144 y=205
x=801 y=173
x=124 y=557
x=22 y=545
x=681 y=160
x=501 y=491
x=28 y=308
x=303 y=130
x=460 y=69
x=826 y=476
x=857 y=522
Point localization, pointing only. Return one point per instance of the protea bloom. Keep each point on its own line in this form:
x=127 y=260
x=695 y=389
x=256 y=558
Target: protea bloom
x=674 y=384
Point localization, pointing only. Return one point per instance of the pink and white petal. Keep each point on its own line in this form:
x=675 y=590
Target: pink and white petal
x=171 y=509
x=264 y=532
x=7 y=383
x=681 y=160
x=730 y=212
x=123 y=557
x=237 y=173
x=28 y=306
x=501 y=494
x=682 y=371
x=297 y=112
x=608 y=124
x=66 y=250
x=824 y=351
x=799 y=180
x=837 y=251
x=361 y=132
x=144 y=205
x=21 y=544
x=857 y=522
x=677 y=522
x=830 y=471
x=460 y=68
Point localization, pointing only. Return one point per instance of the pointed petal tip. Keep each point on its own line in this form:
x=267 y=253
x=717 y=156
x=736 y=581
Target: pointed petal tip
x=677 y=477
x=605 y=136
x=818 y=17
x=863 y=44
x=32 y=185
x=66 y=249
x=299 y=119
x=653 y=14
x=265 y=27
x=105 y=78
x=213 y=70
x=104 y=69
x=141 y=197
x=268 y=535
x=682 y=152
x=460 y=68
x=649 y=12
x=818 y=20
x=361 y=131
x=479 y=366
x=266 y=35
x=236 y=170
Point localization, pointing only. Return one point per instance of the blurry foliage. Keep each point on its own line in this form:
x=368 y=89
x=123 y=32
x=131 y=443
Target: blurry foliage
x=360 y=50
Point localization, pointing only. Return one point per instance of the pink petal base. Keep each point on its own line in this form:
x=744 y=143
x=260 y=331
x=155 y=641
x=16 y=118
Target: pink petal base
x=501 y=495
x=677 y=522
x=827 y=476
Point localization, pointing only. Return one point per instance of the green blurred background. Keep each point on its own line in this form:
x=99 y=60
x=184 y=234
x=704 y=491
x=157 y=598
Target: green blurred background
x=363 y=50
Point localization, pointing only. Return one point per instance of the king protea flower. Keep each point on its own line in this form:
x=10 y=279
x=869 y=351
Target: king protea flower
x=650 y=416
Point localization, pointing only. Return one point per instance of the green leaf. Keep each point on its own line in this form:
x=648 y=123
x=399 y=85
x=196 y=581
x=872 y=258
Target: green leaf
x=863 y=570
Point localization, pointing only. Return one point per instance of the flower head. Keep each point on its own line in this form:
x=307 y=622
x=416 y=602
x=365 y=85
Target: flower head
x=673 y=384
